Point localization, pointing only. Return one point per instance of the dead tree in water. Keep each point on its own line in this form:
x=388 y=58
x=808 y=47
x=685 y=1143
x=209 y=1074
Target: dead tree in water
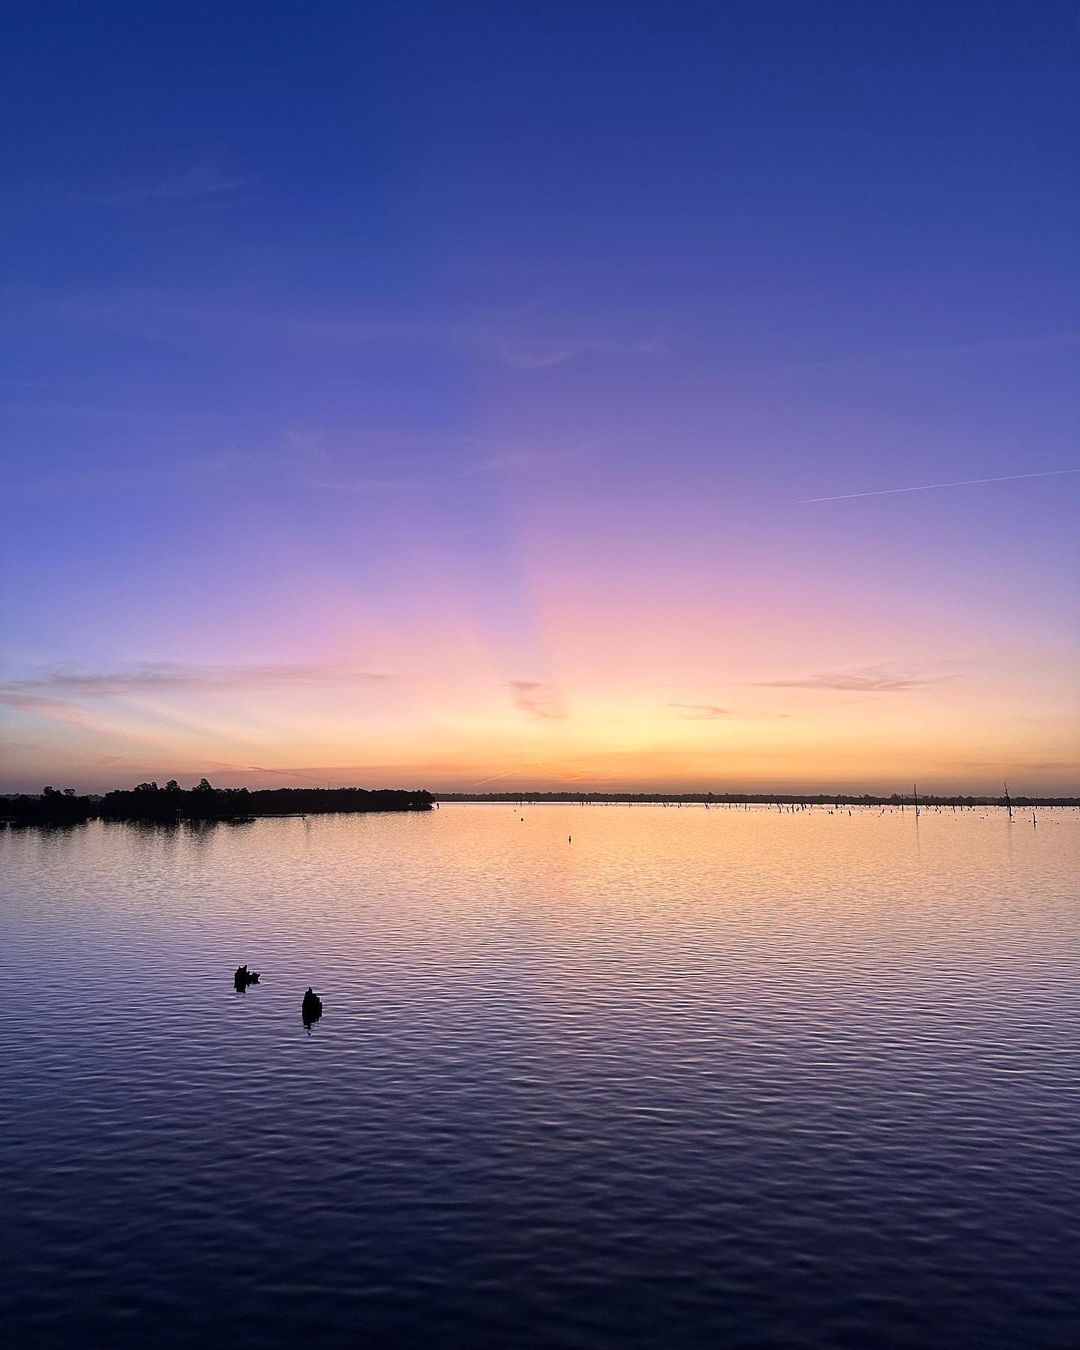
x=1008 y=801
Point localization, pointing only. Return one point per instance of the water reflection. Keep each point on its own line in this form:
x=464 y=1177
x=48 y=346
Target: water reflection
x=53 y=828
x=707 y=1077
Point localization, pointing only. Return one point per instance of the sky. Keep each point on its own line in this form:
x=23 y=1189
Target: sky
x=473 y=396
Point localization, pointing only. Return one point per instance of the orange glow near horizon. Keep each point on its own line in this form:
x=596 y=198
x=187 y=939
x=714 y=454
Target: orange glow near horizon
x=624 y=725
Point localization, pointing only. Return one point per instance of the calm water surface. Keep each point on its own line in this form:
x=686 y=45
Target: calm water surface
x=714 y=1078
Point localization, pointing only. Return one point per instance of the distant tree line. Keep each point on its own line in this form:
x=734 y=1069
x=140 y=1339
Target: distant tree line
x=150 y=802
x=53 y=807
x=203 y=802
x=751 y=799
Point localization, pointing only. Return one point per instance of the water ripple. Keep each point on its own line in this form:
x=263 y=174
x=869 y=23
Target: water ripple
x=727 y=1078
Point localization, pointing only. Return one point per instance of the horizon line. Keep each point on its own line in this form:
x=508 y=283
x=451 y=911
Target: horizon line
x=794 y=795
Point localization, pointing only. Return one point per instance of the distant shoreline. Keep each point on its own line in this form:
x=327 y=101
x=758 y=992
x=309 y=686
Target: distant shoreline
x=748 y=799
x=172 y=804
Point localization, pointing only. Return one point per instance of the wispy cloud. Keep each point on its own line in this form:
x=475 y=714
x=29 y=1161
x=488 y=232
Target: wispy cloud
x=930 y=487
x=516 y=459
x=260 y=769
x=218 y=468
x=182 y=317
x=708 y=712
x=537 y=699
x=304 y=461
x=928 y=351
x=201 y=182
x=524 y=355
x=864 y=680
x=24 y=699
x=430 y=469
x=45 y=688
x=505 y=339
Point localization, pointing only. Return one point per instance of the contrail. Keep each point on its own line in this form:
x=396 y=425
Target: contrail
x=495 y=777
x=523 y=768
x=929 y=487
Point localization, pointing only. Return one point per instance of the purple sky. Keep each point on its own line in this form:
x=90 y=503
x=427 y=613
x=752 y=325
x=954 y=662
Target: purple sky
x=447 y=394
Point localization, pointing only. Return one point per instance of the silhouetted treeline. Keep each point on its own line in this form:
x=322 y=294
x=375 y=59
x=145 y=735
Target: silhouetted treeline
x=148 y=801
x=204 y=802
x=51 y=808
x=751 y=799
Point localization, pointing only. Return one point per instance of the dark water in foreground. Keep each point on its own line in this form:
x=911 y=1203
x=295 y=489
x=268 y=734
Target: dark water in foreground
x=724 y=1078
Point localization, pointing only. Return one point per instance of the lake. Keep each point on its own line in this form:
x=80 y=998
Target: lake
x=591 y=1077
